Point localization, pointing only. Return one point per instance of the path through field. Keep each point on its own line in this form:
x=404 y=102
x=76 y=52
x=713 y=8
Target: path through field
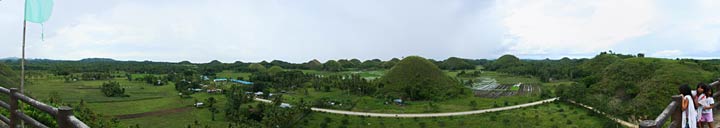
x=424 y=114
x=622 y=122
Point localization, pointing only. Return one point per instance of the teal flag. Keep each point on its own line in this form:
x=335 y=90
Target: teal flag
x=38 y=11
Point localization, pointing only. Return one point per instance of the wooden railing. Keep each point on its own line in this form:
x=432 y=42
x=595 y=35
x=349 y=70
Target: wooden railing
x=674 y=112
x=63 y=115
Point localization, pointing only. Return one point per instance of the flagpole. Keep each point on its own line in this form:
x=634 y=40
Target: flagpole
x=22 y=60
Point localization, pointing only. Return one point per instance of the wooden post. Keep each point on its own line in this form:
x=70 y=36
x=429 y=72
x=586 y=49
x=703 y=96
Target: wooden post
x=14 y=118
x=717 y=87
x=648 y=124
x=63 y=117
x=676 y=118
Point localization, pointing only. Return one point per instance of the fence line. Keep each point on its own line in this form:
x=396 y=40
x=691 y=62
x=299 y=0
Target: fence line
x=63 y=114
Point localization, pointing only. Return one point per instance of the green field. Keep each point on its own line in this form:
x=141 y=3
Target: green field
x=143 y=98
x=543 y=116
x=148 y=98
x=89 y=91
x=371 y=104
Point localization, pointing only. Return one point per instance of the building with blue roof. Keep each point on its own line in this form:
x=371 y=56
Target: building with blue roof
x=242 y=82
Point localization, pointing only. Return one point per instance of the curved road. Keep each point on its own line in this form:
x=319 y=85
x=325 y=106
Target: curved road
x=619 y=121
x=424 y=114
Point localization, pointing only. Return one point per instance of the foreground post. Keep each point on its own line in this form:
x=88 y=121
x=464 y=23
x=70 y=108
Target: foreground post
x=63 y=117
x=14 y=118
x=648 y=124
x=676 y=118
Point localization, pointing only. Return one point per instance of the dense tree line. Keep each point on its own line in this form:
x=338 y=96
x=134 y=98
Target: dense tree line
x=63 y=67
x=546 y=69
x=352 y=84
x=103 y=65
x=282 y=80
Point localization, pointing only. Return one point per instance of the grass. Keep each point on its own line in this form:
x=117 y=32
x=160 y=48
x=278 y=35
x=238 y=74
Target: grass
x=544 y=116
x=183 y=119
x=179 y=120
x=372 y=104
x=143 y=98
x=232 y=74
x=89 y=90
x=147 y=98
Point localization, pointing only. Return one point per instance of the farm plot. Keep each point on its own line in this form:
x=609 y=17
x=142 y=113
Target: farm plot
x=506 y=90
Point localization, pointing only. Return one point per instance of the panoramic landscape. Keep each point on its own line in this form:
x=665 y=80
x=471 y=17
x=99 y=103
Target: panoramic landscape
x=359 y=64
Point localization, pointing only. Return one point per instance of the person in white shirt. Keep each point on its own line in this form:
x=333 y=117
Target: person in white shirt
x=689 y=114
x=707 y=104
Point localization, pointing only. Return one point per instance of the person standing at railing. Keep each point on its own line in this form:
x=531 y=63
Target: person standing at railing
x=688 y=108
x=699 y=100
x=706 y=116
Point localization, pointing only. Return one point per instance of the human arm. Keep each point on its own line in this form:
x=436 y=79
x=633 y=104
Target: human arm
x=710 y=103
x=709 y=106
x=695 y=100
x=684 y=104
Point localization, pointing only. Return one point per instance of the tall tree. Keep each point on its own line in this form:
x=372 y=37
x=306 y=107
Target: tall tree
x=257 y=67
x=332 y=65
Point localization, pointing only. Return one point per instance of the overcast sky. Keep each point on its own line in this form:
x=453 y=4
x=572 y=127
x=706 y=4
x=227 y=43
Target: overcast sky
x=301 y=30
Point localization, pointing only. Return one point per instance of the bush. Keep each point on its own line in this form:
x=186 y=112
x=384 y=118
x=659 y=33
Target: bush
x=473 y=104
x=112 y=89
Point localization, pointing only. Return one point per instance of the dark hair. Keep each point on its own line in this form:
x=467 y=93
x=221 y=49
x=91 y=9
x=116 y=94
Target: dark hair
x=684 y=90
x=699 y=86
x=706 y=88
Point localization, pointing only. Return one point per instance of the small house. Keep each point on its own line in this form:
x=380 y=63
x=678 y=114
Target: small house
x=285 y=105
x=220 y=80
x=198 y=104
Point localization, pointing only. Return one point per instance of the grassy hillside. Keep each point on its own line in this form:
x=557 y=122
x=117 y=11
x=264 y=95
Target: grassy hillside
x=8 y=77
x=415 y=78
x=620 y=86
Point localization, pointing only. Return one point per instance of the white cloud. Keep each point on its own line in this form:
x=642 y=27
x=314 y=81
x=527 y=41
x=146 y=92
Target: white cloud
x=297 y=31
x=573 y=27
x=294 y=31
x=667 y=53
